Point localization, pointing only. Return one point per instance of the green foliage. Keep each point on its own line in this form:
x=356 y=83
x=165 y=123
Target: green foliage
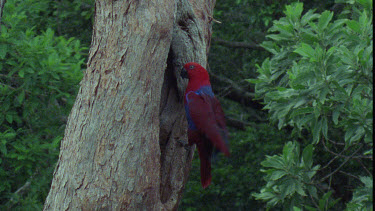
x=363 y=196
x=289 y=180
x=64 y=17
x=320 y=73
x=39 y=78
x=320 y=80
x=288 y=177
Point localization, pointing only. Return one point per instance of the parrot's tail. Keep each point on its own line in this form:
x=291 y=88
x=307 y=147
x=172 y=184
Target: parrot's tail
x=205 y=153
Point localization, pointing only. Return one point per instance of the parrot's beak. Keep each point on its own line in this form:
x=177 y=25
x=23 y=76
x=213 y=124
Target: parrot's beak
x=184 y=73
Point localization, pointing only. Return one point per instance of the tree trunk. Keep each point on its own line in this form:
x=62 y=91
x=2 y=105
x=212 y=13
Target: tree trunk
x=120 y=151
x=2 y=3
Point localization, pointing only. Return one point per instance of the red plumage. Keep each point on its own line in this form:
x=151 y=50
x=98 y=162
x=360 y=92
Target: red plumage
x=207 y=128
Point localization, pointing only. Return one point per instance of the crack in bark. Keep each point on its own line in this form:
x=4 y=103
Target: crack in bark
x=97 y=86
x=95 y=51
x=188 y=44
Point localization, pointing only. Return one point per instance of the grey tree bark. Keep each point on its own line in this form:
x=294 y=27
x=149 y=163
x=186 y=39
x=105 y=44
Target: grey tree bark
x=119 y=150
x=2 y=4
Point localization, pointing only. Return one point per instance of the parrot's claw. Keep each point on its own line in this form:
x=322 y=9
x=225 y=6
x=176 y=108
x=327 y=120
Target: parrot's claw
x=185 y=144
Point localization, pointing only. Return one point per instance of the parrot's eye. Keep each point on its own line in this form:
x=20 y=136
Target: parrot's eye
x=191 y=67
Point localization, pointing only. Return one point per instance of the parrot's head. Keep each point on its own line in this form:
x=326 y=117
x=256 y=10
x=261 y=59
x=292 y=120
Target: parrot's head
x=195 y=72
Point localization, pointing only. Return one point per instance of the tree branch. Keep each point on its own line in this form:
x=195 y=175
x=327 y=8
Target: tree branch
x=359 y=161
x=350 y=175
x=313 y=200
x=342 y=164
x=340 y=154
x=237 y=93
x=238 y=124
x=234 y=44
x=20 y=191
x=336 y=143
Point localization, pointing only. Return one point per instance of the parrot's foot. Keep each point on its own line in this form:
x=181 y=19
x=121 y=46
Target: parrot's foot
x=185 y=144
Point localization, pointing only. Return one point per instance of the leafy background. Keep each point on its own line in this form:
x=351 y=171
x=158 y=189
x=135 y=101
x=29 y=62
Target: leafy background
x=295 y=80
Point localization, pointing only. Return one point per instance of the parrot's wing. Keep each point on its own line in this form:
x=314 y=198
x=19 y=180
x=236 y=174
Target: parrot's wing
x=220 y=118
x=208 y=117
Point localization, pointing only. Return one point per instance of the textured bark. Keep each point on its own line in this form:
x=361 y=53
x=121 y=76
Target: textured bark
x=120 y=151
x=2 y=3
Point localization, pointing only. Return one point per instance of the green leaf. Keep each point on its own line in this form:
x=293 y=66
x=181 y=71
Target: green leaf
x=273 y=162
x=277 y=174
x=3 y=148
x=307 y=156
x=288 y=149
x=296 y=208
x=9 y=135
x=368 y=152
x=354 y=25
x=323 y=95
x=324 y=200
x=335 y=116
x=298 y=9
x=299 y=102
x=349 y=134
x=325 y=127
x=324 y=19
x=317 y=127
x=3 y=50
x=305 y=50
x=254 y=81
x=312 y=191
x=21 y=97
x=309 y=36
x=331 y=50
x=309 y=16
x=21 y=73
x=339 y=88
x=9 y=118
x=299 y=189
x=358 y=134
x=294 y=11
x=300 y=111
x=368 y=181
x=287 y=30
x=270 y=46
x=365 y=3
x=309 y=208
x=278 y=37
x=288 y=187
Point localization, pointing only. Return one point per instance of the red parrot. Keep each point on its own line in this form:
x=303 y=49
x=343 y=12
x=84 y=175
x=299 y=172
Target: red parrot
x=207 y=128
